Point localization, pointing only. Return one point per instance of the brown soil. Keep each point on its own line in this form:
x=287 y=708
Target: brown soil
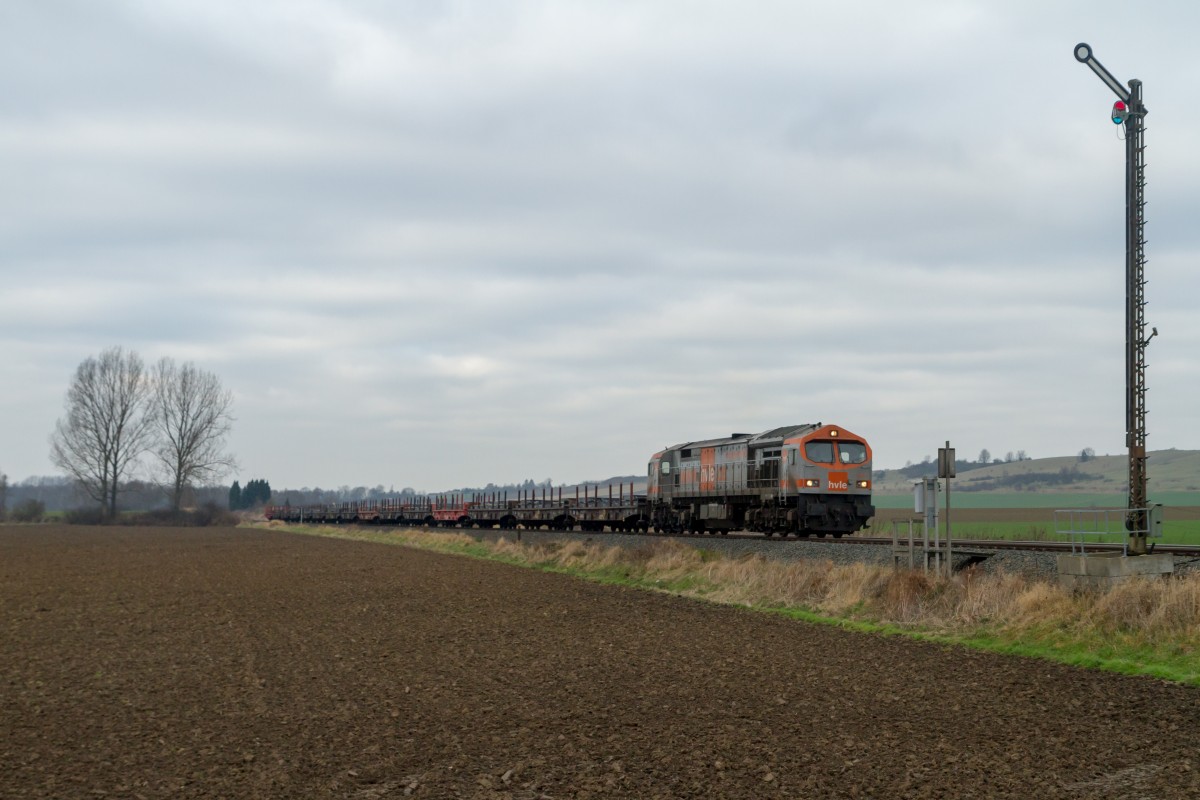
x=260 y=664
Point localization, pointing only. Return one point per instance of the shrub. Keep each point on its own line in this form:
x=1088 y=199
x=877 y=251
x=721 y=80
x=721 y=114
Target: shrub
x=28 y=511
x=212 y=514
x=206 y=515
x=84 y=516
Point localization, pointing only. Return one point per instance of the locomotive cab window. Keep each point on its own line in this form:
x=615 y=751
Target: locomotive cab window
x=819 y=452
x=852 y=452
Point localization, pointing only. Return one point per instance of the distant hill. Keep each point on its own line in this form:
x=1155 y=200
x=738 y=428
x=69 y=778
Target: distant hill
x=1169 y=470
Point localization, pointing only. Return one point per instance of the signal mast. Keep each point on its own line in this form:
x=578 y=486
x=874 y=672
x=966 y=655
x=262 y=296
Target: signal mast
x=1129 y=111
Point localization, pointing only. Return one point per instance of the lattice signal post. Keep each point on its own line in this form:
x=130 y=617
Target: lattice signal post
x=1131 y=112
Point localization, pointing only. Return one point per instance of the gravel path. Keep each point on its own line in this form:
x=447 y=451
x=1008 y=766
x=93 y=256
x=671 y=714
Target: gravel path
x=259 y=664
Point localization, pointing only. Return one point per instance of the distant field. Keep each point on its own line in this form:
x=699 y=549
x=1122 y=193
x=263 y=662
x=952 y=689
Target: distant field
x=1038 y=500
x=1183 y=532
x=1181 y=524
x=1171 y=472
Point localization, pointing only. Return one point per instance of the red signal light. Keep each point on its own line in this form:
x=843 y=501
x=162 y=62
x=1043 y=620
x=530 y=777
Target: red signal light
x=1119 y=112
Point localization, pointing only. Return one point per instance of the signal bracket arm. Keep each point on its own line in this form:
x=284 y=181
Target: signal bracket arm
x=1083 y=54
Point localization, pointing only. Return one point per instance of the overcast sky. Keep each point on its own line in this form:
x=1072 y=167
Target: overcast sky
x=436 y=244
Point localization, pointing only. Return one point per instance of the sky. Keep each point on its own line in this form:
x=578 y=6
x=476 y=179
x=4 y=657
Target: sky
x=440 y=244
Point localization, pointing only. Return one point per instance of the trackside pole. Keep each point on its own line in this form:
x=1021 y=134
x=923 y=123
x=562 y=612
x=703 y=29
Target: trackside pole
x=948 y=476
x=925 y=492
x=1130 y=111
x=946 y=471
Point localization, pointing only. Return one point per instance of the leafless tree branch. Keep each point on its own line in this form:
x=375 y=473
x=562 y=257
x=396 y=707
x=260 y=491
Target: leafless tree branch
x=191 y=420
x=106 y=427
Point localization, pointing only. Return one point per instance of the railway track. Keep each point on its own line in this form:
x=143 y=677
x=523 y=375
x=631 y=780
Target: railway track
x=1181 y=551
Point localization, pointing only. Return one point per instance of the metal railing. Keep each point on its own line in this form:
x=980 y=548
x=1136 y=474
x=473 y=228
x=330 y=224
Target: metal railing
x=935 y=555
x=1081 y=524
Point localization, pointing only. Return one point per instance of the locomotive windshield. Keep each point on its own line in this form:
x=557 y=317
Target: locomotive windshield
x=819 y=452
x=852 y=452
x=847 y=452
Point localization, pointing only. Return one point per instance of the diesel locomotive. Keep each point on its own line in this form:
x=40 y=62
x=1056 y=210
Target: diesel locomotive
x=799 y=479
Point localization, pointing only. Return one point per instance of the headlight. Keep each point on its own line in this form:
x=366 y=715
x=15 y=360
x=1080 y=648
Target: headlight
x=811 y=484
x=864 y=484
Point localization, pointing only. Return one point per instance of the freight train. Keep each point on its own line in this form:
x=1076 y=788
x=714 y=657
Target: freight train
x=803 y=480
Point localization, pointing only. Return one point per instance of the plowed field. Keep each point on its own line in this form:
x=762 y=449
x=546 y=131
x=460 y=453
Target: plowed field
x=259 y=664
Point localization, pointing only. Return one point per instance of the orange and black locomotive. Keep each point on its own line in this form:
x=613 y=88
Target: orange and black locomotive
x=799 y=479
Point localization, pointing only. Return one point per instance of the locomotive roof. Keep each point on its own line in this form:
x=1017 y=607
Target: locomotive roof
x=766 y=437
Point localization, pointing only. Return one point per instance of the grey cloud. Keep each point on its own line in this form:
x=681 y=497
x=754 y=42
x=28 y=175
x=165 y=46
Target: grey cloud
x=459 y=242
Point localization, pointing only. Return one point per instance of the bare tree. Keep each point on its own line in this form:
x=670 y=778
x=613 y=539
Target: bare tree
x=106 y=428
x=191 y=418
x=3 y=495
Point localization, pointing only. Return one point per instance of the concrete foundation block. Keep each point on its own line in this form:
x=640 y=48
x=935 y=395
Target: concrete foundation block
x=1104 y=570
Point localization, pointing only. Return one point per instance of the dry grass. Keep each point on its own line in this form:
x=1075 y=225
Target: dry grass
x=1152 y=608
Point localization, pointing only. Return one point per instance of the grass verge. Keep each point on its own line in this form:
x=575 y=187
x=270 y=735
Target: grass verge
x=1147 y=628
